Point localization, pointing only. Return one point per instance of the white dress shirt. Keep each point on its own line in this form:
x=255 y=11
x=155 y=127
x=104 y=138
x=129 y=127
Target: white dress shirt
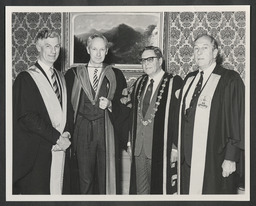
x=157 y=79
x=47 y=70
x=207 y=73
x=91 y=69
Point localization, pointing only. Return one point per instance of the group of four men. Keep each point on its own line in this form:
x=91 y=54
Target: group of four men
x=194 y=127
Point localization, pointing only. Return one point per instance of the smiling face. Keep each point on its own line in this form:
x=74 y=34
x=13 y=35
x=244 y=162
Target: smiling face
x=97 y=50
x=204 y=52
x=151 y=66
x=48 y=49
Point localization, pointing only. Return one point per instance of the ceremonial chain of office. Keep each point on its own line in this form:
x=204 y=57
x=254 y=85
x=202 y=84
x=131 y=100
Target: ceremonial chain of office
x=152 y=116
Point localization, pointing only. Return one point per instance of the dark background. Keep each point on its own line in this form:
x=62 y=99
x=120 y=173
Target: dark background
x=4 y=3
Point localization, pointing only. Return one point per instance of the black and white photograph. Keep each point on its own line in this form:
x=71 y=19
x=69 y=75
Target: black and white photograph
x=129 y=104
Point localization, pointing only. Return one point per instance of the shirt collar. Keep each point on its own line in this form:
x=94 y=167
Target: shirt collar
x=44 y=66
x=91 y=66
x=209 y=70
x=157 y=77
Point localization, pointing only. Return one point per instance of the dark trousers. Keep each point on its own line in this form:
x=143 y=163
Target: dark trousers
x=143 y=173
x=185 y=178
x=91 y=156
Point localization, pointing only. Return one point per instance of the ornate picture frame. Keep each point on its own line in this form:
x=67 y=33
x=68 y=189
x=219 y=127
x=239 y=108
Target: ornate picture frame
x=127 y=32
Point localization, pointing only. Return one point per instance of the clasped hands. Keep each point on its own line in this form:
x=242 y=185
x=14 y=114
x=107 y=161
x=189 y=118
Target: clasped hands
x=126 y=100
x=63 y=142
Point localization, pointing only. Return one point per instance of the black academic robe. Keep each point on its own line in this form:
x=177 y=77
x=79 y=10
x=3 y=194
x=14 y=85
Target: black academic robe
x=225 y=133
x=33 y=138
x=118 y=116
x=158 y=134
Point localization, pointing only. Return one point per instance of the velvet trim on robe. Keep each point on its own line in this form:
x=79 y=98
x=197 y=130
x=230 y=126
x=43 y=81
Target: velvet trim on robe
x=163 y=125
x=82 y=82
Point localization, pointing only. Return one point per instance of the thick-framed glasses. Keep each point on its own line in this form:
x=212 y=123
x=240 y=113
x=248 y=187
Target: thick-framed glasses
x=149 y=60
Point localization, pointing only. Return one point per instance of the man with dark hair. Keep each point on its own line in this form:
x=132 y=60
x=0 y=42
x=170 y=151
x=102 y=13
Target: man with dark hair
x=154 y=103
x=40 y=123
x=211 y=127
x=95 y=90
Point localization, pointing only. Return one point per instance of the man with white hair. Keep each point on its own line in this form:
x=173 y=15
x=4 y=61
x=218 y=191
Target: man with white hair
x=211 y=126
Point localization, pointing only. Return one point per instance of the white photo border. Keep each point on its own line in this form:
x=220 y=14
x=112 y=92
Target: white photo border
x=8 y=20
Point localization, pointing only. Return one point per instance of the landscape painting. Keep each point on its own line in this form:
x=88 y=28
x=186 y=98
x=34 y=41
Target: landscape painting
x=127 y=33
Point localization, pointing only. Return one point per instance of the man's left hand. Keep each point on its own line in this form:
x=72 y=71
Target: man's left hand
x=174 y=156
x=104 y=103
x=228 y=167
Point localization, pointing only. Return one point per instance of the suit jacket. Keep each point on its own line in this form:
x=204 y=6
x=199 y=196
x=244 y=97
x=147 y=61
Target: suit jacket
x=33 y=138
x=163 y=134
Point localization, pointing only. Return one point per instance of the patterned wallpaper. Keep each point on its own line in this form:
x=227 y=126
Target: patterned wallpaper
x=25 y=27
x=228 y=28
x=181 y=28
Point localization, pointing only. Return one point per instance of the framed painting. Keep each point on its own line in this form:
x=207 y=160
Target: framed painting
x=127 y=32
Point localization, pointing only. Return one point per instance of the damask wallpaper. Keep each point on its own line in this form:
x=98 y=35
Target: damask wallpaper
x=228 y=28
x=24 y=30
x=181 y=28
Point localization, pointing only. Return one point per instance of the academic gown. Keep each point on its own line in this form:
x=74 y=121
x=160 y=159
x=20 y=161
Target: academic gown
x=163 y=122
x=225 y=133
x=118 y=116
x=33 y=138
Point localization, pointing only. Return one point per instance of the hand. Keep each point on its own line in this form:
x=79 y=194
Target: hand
x=104 y=103
x=174 y=156
x=228 y=167
x=125 y=92
x=63 y=142
x=127 y=98
x=66 y=135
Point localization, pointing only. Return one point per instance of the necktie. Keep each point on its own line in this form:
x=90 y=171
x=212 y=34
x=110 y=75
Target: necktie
x=146 y=100
x=55 y=85
x=197 y=89
x=95 y=80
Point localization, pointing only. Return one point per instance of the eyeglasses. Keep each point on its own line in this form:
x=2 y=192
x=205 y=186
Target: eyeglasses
x=149 y=60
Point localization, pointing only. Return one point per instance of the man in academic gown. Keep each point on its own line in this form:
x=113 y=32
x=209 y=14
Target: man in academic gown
x=40 y=123
x=154 y=102
x=95 y=90
x=211 y=128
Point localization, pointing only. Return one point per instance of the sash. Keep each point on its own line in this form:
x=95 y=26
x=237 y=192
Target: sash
x=166 y=122
x=58 y=118
x=134 y=114
x=200 y=135
x=110 y=157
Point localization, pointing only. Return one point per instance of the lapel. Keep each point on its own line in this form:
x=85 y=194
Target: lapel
x=155 y=95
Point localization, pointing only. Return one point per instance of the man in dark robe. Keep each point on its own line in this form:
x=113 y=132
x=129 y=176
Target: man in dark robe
x=41 y=124
x=152 y=126
x=211 y=128
x=95 y=90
